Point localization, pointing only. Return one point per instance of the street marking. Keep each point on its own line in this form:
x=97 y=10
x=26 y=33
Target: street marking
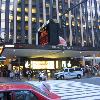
x=71 y=90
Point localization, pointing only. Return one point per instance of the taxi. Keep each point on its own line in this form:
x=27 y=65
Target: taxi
x=25 y=91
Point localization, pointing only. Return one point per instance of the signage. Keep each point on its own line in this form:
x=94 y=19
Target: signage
x=43 y=36
x=42 y=64
x=48 y=34
x=1 y=49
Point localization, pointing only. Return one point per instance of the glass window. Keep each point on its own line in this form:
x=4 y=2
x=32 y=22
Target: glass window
x=2 y=15
x=66 y=70
x=77 y=69
x=71 y=70
x=25 y=95
x=3 y=24
x=1 y=96
x=5 y=95
x=40 y=91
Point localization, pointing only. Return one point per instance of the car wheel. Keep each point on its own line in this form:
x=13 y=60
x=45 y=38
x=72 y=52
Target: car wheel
x=61 y=77
x=57 y=78
x=78 y=76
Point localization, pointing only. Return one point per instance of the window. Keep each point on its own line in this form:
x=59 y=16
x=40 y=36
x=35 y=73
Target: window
x=66 y=70
x=24 y=95
x=5 y=95
x=1 y=96
x=78 y=69
x=71 y=70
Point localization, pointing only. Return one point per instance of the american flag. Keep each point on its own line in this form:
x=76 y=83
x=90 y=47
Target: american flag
x=62 y=41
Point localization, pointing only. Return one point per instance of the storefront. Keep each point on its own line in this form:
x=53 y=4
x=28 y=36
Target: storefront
x=48 y=66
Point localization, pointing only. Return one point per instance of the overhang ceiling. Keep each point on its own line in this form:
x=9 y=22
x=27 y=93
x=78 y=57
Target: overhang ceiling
x=37 y=53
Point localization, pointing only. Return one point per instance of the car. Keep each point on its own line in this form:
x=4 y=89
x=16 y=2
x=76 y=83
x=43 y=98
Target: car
x=68 y=73
x=25 y=91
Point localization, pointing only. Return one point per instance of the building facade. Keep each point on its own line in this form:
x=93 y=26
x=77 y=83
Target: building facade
x=21 y=19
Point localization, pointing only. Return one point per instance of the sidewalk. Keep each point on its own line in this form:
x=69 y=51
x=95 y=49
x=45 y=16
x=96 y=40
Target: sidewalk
x=7 y=79
x=4 y=79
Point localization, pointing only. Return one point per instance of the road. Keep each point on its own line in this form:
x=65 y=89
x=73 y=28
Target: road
x=75 y=89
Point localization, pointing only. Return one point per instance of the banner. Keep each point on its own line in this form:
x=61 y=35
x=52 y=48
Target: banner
x=62 y=41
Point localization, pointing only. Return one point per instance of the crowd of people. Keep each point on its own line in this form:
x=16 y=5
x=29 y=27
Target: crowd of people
x=16 y=74
x=91 y=70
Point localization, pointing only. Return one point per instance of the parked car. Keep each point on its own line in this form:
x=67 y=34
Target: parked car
x=69 y=73
x=23 y=91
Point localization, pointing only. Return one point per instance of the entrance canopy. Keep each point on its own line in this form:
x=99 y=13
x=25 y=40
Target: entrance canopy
x=44 y=52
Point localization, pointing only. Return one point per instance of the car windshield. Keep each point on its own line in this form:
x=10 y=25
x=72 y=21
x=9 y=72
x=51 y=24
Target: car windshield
x=40 y=91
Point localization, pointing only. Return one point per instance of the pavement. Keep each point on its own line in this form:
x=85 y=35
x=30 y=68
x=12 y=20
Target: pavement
x=23 y=79
x=7 y=79
x=73 y=89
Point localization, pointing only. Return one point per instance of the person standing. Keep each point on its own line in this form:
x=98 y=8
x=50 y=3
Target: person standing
x=11 y=74
x=40 y=76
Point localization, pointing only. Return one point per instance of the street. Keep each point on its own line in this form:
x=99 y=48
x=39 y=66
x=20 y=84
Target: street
x=75 y=89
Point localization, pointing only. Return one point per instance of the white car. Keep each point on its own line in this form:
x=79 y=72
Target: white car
x=69 y=73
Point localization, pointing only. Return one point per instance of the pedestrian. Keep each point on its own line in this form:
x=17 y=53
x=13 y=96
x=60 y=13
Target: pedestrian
x=29 y=74
x=11 y=74
x=17 y=74
x=40 y=76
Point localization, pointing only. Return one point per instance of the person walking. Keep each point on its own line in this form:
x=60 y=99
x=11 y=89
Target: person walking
x=40 y=76
x=11 y=75
x=29 y=74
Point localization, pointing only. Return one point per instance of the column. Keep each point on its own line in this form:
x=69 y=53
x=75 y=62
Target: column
x=30 y=22
x=7 y=21
x=70 y=37
x=64 y=19
x=83 y=64
x=44 y=12
x=51 y=7
x=19 y=62
x=94 y=62
x=37 y=20
x=57 y=10
x=91 y=15
x=22 y=21
x=81 y=24
x=60 y=64
x=15 y=19
x=86 y=22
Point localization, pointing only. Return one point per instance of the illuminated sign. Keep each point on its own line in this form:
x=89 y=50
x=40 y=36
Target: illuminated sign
x=48 y=34
x=1 y=49
x=43 y=36
x=42 y=64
